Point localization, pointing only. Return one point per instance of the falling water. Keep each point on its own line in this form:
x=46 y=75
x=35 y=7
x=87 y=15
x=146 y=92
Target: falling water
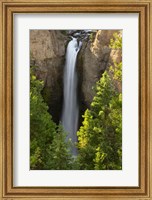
x=70 y=110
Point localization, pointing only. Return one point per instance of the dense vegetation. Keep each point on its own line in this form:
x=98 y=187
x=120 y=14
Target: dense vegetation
x=99 y=137
x=48 y=147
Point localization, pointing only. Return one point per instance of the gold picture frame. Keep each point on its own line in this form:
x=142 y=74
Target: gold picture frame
x=7 y=9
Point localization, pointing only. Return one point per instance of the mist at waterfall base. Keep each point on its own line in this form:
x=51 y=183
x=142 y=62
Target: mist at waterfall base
x=70 y=111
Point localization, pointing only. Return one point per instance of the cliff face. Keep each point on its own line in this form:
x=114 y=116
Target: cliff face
x=48 y=54
x=94 y=57
x=48 y=50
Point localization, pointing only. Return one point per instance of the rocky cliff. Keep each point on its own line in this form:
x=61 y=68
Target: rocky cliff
x=94 y=57
x=47 y=52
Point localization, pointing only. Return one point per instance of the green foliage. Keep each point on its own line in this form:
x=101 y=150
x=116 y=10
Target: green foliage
x=46 y=94
x=116 y=42
x=92 y=36
x=41 y=126
x=99 y=139
x=48 y=147
x=59 y=152
x=116 y=71
x=100 y=136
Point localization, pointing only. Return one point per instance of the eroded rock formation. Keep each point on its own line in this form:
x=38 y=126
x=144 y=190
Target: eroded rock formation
x=94 y=58
x=47 y=52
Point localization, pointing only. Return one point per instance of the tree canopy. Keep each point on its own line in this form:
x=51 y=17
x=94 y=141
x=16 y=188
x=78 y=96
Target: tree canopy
x=100 y=136
x=48 y=146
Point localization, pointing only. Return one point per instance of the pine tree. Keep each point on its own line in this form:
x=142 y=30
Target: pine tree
x=100 y=136
x=59 y=152
x=48 y=146
x=42 y=128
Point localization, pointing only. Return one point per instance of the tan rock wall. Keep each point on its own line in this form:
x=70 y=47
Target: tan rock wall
x=93 y=59
x=47 y=52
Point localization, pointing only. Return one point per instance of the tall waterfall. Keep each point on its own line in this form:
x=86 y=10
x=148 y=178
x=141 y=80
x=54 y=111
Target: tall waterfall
x=70 y=110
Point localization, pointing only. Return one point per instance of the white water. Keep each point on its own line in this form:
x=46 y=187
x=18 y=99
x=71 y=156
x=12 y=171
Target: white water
x=70 y=110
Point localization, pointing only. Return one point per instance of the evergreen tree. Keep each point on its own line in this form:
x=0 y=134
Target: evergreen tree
x=42 y=128
x=59 y=152
x=100 y=136
x=48 y=146
x=99 y=139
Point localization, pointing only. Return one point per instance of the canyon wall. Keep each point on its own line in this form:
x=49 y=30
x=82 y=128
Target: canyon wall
x=94 y=57
x=47 y=52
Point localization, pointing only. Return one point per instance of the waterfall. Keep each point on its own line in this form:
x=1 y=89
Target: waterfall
x=70 y=110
